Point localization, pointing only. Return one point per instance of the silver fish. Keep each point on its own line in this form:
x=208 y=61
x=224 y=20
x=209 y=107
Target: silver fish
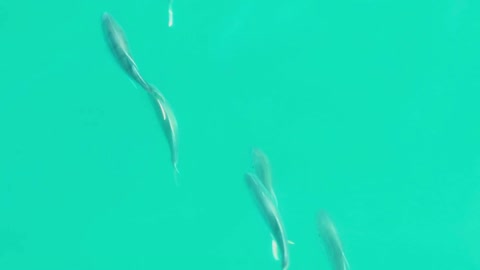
x=118 y=45
x=262 y=168
x=270 y=214
x=329 y=234
x=169 y=125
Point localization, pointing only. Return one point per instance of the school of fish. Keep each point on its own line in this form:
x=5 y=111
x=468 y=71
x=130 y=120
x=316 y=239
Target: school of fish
x=259 y=181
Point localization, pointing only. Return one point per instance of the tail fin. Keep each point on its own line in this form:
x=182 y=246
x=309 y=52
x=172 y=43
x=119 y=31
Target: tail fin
x=176 y=174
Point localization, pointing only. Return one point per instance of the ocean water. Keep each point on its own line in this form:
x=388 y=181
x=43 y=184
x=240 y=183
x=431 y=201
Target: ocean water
x=367 y=109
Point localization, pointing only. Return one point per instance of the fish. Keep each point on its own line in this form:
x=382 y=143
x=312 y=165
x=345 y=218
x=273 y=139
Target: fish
x=328 y=233
x=118 y=45
x=270 y=214
x=261 y=165
x=169 y=125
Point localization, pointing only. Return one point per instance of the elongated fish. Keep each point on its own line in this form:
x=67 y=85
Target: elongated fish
x=118 y=45
x=270 y=214
x=169 y=125
x=261 y=165
x=329 y=234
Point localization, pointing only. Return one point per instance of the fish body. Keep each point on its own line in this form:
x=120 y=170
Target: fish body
x=271 y=215
x=329 y=234
x=262 y=168
x=118 y=45
x=169 y=125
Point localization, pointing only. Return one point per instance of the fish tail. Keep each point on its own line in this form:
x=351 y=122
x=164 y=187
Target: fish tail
x=176 y=174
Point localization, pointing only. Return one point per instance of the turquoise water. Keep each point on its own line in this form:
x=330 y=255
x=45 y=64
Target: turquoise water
x=367 y=109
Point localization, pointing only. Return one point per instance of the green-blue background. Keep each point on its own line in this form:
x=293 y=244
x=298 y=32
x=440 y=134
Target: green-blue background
x=368 y=109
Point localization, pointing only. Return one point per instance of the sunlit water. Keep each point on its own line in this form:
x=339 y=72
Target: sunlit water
x=366 y=109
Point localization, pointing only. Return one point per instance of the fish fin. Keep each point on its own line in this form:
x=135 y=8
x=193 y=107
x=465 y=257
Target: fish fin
x=275 y=250
x=133 y=83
